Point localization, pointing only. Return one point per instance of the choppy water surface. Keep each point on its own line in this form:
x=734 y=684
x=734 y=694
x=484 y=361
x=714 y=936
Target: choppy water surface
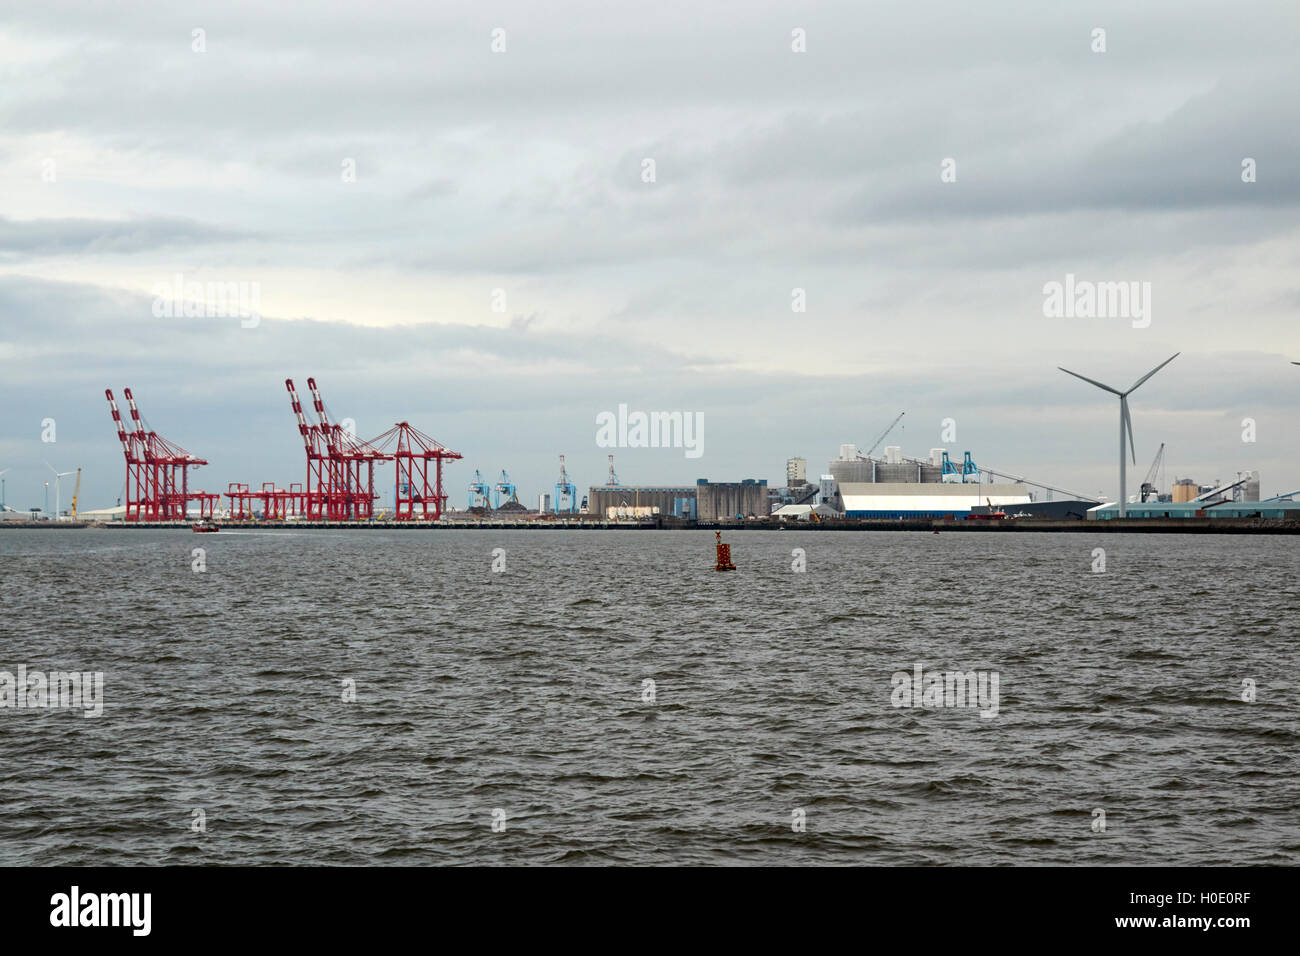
x=522 y=691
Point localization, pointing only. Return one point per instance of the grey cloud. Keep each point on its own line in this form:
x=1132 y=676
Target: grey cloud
x=775 y=170
x=63 y=237
x=218 y=390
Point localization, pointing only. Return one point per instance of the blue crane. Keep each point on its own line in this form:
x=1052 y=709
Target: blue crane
x=565 y=491
x=505 y=487
x=950 y=472
x=478 y=492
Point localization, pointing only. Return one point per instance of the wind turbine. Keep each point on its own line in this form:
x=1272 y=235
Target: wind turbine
x=58 y=484
x=3 y=507
x=1125 y=423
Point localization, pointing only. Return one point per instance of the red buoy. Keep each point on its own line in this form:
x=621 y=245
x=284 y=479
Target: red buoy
x=724 y=556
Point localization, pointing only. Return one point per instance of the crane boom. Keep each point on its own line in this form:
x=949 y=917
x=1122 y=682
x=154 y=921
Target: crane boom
x=76 y=491
x=884 y=434
x=1148 y=488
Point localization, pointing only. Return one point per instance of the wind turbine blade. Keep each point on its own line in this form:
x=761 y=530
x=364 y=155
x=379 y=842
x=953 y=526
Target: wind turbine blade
x=1152 y=372
x=1128 y=423
x=1113 y=391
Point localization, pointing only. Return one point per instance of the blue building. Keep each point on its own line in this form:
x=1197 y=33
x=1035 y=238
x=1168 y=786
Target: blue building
x=1272 y=508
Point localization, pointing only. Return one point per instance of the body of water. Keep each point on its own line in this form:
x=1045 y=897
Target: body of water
x=609 y=698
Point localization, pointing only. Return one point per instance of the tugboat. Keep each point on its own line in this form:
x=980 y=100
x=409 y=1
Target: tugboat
x=206 y=526
x=989 y=515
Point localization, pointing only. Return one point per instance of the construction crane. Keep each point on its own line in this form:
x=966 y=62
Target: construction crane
x=76 y=491
x=883 y=435
x=613 y=476
x=1149 y=487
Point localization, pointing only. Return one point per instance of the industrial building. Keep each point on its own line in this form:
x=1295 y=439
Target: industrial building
x=1272 y=508
x=675 y=500
x=723 y=501
x=898 y=487
x=926 y=500
x=805 y=512
x=703 y=501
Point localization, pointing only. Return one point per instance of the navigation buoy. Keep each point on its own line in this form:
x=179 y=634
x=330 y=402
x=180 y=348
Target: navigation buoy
x=724 y=555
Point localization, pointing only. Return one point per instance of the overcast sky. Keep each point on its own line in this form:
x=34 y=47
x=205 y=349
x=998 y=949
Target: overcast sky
x=128 y=157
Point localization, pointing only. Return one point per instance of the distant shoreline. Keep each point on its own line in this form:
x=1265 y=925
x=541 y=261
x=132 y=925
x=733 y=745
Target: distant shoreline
x=926 y=525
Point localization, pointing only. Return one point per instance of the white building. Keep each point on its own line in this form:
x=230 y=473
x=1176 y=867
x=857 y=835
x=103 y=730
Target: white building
x=925 y=499
x=796 y=472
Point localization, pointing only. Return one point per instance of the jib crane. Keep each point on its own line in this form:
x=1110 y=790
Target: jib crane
x=884 y=435
x=1149 y=487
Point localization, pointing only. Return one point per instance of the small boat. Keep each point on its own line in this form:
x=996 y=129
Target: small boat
x=206 y=526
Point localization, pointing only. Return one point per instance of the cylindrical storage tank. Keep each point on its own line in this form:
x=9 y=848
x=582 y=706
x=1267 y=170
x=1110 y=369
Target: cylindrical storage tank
x=850 y=471
x=900 y=472
x=1184 y=490
x=1250 y=490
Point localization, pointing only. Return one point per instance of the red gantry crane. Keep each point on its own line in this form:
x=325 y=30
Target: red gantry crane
x=351 y=466
x=316 y=488
x=157 y=471
x=414 y=498
x=340 y=467
x=340 y=482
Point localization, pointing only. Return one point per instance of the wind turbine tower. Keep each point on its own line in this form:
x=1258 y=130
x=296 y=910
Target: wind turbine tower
x=58 y=485
x=1125 y=424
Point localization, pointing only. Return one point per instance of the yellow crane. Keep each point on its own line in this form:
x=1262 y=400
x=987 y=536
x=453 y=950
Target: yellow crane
x=76 y=491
